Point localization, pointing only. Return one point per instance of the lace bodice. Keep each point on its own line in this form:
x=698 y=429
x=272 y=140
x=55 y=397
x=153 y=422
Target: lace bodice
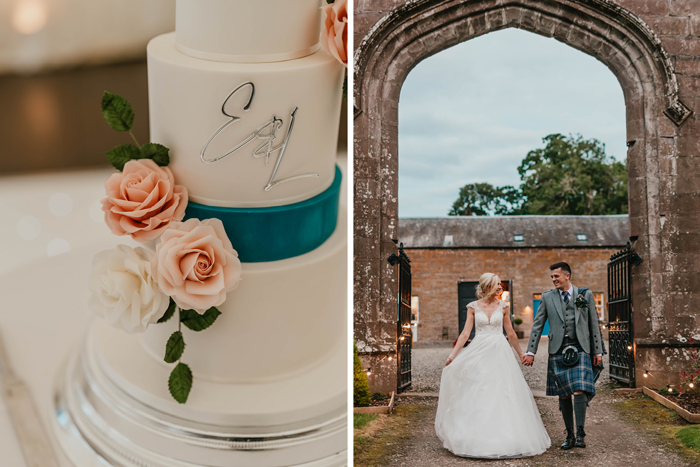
x=481 y=319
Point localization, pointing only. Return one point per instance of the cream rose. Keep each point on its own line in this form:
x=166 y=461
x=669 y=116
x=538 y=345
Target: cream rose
x=143 y=200
x=196 y=264
x=124 y=289
x=334 y=30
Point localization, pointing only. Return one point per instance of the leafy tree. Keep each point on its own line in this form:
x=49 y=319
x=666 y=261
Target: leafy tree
x=482 y=199
x=569 y=176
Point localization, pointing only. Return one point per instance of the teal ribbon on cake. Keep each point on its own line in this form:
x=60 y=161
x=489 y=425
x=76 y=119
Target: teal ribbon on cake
x=277 y=232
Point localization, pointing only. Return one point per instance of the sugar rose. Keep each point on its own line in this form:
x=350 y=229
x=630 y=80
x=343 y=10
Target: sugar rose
x=334 y=31
x=123 y=289
x=196 y=264
x=143 y=200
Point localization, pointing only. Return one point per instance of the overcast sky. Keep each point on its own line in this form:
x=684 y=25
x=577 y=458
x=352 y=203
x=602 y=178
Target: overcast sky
x=471 y=113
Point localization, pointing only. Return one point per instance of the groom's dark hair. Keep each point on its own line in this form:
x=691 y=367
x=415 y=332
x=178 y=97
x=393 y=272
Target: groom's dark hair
x=562 y=265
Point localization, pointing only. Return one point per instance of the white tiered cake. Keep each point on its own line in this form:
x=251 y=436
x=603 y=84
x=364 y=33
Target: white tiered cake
x=249 y=106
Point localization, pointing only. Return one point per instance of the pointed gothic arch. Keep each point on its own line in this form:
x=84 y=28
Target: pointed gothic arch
x=421 y=28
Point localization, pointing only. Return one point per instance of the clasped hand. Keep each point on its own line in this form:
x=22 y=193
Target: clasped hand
x=527 y=360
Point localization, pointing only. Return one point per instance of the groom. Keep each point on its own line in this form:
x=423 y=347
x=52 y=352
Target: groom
x=573 y=324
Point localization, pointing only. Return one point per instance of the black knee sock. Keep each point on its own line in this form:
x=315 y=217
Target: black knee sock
x=567 y=411
x=580 y=404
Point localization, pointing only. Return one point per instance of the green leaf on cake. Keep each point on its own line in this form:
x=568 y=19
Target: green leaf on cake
x=169 y=312
x=174 y=347
x=157 y=152
x=197 y=322
x=117 y=112
x=180 y=382
x=122 y=154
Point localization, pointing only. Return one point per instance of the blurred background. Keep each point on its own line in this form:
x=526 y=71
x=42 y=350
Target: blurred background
x=56 y=59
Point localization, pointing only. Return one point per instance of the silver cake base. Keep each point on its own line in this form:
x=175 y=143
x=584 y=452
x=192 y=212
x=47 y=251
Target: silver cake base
x=98 y=424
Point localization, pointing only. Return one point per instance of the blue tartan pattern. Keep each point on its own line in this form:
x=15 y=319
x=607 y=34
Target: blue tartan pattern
x=565 y=380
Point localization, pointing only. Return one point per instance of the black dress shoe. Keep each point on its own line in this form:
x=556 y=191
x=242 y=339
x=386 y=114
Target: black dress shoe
x=580 y=436
x=569 y=443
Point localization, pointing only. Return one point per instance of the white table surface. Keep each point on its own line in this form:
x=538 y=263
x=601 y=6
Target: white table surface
x=52 y=225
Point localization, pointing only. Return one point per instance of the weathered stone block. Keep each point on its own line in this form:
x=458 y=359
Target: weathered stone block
x=684 y=7
x=366 y=189
x=681 y=46
x=645 y=7
x=687 y=65
x=695 y=25
x=669 y=25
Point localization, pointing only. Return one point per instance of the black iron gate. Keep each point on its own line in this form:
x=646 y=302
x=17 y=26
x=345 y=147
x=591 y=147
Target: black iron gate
x=404 y=334
x=621 y=331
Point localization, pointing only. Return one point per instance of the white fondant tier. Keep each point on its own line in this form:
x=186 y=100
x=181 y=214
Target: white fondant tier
x=283 y=318
x=188 y=98
x=248 y=30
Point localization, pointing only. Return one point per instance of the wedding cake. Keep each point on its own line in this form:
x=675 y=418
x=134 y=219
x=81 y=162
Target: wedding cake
x=234 y=351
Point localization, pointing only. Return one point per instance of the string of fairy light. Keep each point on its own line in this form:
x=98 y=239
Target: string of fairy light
x=390 y=356
x=647 y=374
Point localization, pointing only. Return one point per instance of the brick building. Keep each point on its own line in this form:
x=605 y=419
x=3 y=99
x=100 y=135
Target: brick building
x=447 y=252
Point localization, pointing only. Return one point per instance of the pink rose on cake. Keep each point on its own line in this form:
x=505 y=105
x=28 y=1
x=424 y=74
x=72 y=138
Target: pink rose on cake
x=143 y=200
x=124 y=289
x=196 y=264
x=334 y=30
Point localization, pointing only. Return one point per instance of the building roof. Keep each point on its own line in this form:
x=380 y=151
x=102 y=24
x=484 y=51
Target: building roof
x=514 y=231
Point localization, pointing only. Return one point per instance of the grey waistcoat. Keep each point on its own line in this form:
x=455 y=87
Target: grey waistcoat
x=570 y=318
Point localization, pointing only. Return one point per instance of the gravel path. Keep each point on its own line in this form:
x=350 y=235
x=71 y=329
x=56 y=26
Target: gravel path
x=612 y=441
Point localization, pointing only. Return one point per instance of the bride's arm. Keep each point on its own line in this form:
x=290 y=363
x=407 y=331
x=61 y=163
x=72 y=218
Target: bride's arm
x=512 y=337
x=463 y=337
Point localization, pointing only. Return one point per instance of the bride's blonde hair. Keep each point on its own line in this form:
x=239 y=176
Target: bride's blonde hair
x=488 y=285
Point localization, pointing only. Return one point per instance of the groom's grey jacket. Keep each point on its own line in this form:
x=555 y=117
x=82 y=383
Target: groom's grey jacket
x=587 y=328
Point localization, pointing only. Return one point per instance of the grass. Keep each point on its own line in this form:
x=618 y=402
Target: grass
x=664 y=425
x=377 y=448
x=360 y=420
x=690 y=436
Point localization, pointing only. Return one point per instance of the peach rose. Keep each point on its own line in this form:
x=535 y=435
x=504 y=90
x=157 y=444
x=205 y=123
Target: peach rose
x=196 y=264
x=334 y=31
x=143 y=200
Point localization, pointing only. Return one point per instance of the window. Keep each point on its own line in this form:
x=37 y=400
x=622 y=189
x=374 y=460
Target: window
x=599 y=305
x=582 y=237
x=415 y=316
x=518 y=237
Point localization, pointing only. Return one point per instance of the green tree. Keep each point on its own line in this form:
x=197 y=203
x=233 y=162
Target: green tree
x=569 y=176
x=482 y=199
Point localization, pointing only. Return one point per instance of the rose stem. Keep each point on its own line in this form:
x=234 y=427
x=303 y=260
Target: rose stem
x=134 y=137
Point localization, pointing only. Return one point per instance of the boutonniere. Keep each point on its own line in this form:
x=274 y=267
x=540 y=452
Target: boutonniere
x=581 y=302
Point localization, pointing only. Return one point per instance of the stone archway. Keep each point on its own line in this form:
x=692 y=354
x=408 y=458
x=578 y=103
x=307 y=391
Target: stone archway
x=656 y=131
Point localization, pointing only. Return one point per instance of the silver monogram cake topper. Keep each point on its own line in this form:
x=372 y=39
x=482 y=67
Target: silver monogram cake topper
x=266 y=132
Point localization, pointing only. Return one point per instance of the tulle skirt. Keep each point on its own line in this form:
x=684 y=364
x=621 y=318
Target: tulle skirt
x=486 y=408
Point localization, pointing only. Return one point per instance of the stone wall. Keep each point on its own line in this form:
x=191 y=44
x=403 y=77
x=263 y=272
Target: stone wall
x=652 y=47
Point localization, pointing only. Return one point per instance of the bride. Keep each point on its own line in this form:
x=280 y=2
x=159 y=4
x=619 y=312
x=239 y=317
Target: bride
x=486 y=408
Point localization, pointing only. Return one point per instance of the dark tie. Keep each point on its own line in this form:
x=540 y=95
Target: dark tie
x=566 y=297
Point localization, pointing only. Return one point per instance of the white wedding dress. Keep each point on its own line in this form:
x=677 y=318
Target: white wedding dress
x=486 y=408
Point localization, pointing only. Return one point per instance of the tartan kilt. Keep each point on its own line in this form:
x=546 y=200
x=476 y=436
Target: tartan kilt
x=565 y=380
